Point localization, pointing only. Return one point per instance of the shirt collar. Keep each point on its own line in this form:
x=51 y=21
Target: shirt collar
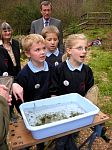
x=35 y=69
x=56 y=53
x=46 y=20
x=73 y=68
x=1 y=42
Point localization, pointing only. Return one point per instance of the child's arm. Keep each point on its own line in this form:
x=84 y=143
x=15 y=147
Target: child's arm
x=17 y=91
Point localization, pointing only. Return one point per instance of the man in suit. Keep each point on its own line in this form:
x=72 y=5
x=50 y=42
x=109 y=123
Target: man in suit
x=45 y=20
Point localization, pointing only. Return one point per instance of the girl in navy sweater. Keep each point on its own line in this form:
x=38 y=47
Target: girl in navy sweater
x=72 y=76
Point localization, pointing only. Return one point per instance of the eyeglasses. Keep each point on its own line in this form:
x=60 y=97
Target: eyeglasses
x=80 y=48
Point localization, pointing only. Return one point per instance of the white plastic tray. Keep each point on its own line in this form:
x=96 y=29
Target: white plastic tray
x=88 y=109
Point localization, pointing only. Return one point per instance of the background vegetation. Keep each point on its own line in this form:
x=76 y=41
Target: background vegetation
x=20 y=13
x=100 y=60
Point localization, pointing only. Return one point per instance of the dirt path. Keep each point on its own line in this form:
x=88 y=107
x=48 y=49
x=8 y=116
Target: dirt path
x=99 y=143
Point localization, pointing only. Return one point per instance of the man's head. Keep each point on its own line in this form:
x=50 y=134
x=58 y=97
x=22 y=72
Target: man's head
x=46 y=9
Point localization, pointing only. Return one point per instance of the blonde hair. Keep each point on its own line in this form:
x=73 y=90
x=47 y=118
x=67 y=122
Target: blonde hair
x=29 y=40
x=71 y=41
x=49 y=29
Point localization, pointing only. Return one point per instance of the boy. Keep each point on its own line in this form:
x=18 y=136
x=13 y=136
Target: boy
x=34 y=78
x=51 y=36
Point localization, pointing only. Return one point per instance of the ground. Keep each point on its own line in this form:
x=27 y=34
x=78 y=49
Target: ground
x=99 y=143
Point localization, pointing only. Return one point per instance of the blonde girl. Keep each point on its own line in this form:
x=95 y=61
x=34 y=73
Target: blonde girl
x=72 y=76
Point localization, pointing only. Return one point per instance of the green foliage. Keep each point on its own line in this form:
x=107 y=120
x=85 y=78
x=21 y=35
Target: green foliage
x=22 y=18
x=101 y=64
x=23 y=21
x=97 y=32
x=71 y=29
x=20 y=13
x=101 y=5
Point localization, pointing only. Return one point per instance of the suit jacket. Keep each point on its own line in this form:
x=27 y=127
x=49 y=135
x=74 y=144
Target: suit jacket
x=6 y=62
x=38 y=25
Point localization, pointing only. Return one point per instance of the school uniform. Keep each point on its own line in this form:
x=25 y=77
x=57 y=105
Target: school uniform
x=67 y=79
x=35 y=82
x=54 y=58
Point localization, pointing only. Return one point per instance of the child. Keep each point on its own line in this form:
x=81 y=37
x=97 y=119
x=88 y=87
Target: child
x=51 y=36
x=54 y=56
x=34 y=78
x=72 y=76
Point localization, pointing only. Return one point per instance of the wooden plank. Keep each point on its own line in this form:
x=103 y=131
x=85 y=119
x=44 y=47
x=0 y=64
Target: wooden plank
x=96 y=16
x=20 y=137
x=83 y=23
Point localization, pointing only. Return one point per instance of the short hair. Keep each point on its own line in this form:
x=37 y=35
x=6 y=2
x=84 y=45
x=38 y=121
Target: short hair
x=29 y=40
x=49 y=29
x=45 y=3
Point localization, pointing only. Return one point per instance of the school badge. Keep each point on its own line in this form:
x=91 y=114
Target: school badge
x=5 y=74
x=37 y=86
x=56 y=63
x=66 y=83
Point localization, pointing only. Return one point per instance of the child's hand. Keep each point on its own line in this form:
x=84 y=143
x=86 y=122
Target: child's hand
x=17 y=91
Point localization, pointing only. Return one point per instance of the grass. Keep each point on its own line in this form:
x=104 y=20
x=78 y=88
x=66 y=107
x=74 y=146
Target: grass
x=97 y=32
x=101 y=63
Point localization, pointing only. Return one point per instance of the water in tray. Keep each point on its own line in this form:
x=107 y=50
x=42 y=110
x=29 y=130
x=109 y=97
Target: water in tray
x=50 y=113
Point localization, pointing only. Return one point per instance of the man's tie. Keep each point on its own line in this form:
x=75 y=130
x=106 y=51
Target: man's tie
x=46 y=23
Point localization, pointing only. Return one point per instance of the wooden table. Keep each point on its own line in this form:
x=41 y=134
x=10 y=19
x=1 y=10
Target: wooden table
x=20 y=137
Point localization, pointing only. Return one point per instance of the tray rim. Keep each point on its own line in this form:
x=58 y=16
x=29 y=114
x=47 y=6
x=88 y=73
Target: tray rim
x=53 y=124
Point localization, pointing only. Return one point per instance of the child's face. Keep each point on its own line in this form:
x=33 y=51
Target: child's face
x=78 y=52
x=51 y=41
x=37 y=53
